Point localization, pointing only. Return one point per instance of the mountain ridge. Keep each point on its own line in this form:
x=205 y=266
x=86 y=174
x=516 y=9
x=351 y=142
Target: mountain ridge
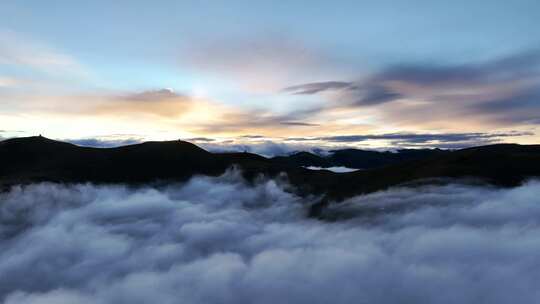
x=356 y=158
x=38 y=159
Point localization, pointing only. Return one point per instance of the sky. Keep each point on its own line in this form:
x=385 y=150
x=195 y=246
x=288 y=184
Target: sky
x=370 y=74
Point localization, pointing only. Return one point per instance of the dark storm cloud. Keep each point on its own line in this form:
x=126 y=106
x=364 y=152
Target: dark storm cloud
x=318 y=87
x=218 y=240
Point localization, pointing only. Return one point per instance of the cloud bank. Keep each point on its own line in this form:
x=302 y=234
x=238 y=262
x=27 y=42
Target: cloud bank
x=219 y=240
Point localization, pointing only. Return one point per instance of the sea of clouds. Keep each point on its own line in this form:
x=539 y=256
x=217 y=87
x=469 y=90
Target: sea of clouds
x=220 y=240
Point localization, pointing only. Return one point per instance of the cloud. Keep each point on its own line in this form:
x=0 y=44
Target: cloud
x=298 y=123
x=164 y=103
x=5 y=134
x=256 y=144
x=219 y=240
x=8 y=82
x=338 y=169
x=441 y=140
x=355 y=93
x=270 y=147
x=360 y=94
x=154 y=95
x=200 y=139
x=520 y=66
x=20 y=52
x=318 y=87
x=260 y=64
x=520 y=108
x=377 y=95
x=502 y=91
x=104 y=142
x=264 y=147
x=422 y=138
x=234 y=120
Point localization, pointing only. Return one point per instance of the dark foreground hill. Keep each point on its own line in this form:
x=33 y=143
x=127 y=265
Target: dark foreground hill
x=35 y=159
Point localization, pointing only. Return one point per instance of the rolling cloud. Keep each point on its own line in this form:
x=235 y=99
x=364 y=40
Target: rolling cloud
x=218 y=240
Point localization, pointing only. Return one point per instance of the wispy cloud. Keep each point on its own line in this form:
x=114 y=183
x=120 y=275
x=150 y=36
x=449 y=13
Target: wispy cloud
x=425 y=137
x=298 y=123
x=503 y=91
x=522 y=107
x=258 y=64
x=318 y=87
x=154 y=95
x=414 y=140
x=239 y=121
x=7 y=82
x=23 y=52
x=163 y=103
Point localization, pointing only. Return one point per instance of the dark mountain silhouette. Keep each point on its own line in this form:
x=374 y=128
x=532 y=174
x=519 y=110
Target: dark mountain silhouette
x=36 y=159
x=357 y=159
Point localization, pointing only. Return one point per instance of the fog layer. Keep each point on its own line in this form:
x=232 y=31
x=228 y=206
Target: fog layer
x=219 y=240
